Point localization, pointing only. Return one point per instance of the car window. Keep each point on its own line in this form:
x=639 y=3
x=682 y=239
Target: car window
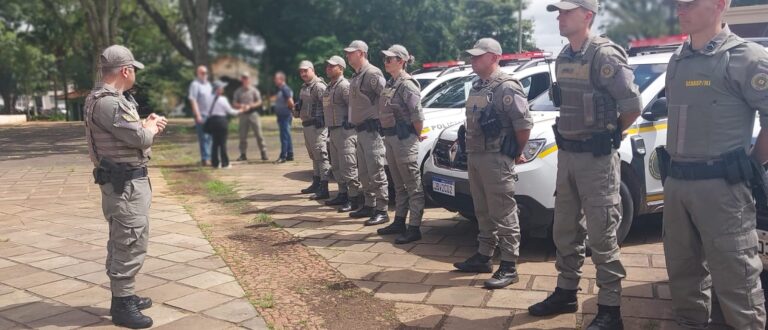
x=452 y=95
x=535 y=84
x=645 y=74
x=424 y=82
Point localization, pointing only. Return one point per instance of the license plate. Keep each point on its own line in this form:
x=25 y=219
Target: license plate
x=762 y=247
x=444 y=186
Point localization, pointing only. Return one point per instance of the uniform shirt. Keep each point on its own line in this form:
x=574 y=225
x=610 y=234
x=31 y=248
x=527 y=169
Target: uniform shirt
x=202 y=93
x=247 y=95
x=713 y=94
x=366 y=86
x=117 y=117
x=284 y=94
x=312 y=99
x=336 y=102
x=400 y=100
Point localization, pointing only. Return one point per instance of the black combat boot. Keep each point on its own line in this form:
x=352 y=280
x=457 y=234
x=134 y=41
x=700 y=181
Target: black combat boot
x=264 y=156
x=141 y=302
x=504 y=276
x=126 y=313
x=477 y=263
x=607 y=318
x=340 y=199
x=322 y=192
x=560 y=302
x=396 y=227
x=352 y=204
x=364 y=212
x=377 y=218
x=242 y=158
x=313 y=187
x=412 y=234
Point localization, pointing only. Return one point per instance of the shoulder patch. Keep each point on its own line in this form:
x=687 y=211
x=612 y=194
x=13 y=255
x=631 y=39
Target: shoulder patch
x=129 y=118
x=607 y=70
x=760 y=82
x=508 y=99
x=374 y=81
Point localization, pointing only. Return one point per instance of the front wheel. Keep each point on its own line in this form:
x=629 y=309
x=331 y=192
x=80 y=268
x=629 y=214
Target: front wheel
x=627 y=211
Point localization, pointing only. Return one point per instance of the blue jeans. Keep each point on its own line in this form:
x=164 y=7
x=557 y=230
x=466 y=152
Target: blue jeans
x=286 y=145
x=204 y=139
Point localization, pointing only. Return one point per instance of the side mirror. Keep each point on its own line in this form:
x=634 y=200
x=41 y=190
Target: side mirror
x=657 y=110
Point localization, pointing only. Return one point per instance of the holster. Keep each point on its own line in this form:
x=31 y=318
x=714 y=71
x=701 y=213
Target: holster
x=372 y=125
x=109 y=171
x=490 y=123
x=462 y=139
x=664 y=162
x=404 y=129
x=759 y=185
x=602 y=143
x=509 y=146
x=319 y=122
x=556 y=95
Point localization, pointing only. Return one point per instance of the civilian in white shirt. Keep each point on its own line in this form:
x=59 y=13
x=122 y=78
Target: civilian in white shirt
x=217 y=125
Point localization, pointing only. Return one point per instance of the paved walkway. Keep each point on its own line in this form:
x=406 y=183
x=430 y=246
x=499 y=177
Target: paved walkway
x=53 y=237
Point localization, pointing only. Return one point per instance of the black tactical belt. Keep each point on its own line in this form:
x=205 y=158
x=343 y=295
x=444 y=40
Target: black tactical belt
x=575 y=146
x=333 y=127
x=138 y=173
x=308 y=123
x=368 y=125
x=697 y=171
x=389 y=131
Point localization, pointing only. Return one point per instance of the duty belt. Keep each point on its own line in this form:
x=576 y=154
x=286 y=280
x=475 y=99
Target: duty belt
x=308 y=123
x=370 y=125
x=697 y=170
x=389 y=131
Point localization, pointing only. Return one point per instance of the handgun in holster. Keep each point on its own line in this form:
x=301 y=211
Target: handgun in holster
x=403 y=129
x=109 y=171
x=509 y=146
x=665 y=161
x=372 y=125
x=297 y=109
x=558 y=137
x=602 y=143
x=759 y=185
x=489 y=122
x=319 y=122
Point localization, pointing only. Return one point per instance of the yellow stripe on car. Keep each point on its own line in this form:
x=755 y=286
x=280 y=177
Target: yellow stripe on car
x=632 y=131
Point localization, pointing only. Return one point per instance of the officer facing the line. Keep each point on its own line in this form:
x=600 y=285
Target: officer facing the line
x=402 y=120
x=315 y=132
x=598 y=100
x=715 y=82
x=365 y=89
x=342 y=135
x=497 y=128
x=120 y=147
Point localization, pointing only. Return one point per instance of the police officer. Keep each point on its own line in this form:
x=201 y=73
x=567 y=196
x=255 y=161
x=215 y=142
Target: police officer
x=343 y=136
x=365 y=87
x=315 y=132
x=497 y=128
x=715 y=82
x=598 y=101
x=401 y=120
x=119 y=146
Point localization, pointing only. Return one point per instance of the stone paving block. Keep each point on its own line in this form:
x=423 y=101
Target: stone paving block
x=658 y=261
x=98 y=278
x=353 y=257
x=635 y=260
x=234 y=311
x=395 y=260
x=418 y=315
x=433 y=250
x=184 y=256
x=401 y=275
x=231 y=289
x=17 y=250
x=177 y=272
x=59 y=288
x=34 y=256
x=70 y=320
x=197 y=322
x=168 y=291
x=7 y=325
x=662 y=290
x=207 y=279
x=387 y=247
x=56 y=262
x=156 y=249
x=367 y=286
x=318 y=242
x=34 y=311
x=348 y=235
x=256 y=323
x=351 y=246
x=82 y=268
x=437 y=263
x=358 y=272
x=199 y=301
x=86 y=297
x=635 y=289
x=524 y=321
x=517 y=299
x=162 y=315
x=328 y=253
x=461 y=318
x=144 y=281
x=548 y=283
x=210 y=262
x=95 y=254
x=647 y=274
x=403 y=292
x=6 y=289
x=450 y=278
x=458 y=296
x=6 y=263
x=646 y=308
x=33 y=279
x=638 y=323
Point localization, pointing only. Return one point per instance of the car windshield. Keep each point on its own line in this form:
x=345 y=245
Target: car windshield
x=452 y=95
x=645 y=74
x=424 y=82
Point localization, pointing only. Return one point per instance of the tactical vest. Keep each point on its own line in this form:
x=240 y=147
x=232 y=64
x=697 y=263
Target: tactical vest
x=361 y=107
x=707 y=115
x=483 y=98
x=585 y=108
x=392 y=107
x=311 y=107
x=335 y=108
x=102 y=144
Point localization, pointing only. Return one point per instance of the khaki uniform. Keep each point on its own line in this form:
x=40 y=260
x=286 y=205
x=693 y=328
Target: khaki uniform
x=249 y=120
x=400 y=102
x=342 y=137
x=491 y=172
x=364 y=92
x=113 y=131
x=709 y=224
x=315 y=139
x=597 y=85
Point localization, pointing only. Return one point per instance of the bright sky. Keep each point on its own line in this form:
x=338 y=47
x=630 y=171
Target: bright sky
x=546 y=34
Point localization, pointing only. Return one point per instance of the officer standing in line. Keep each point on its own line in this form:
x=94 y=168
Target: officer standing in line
x=402 y=120
x=343 y=136
x=119 y=146
x=715 y=82
x=497 y=129
x=315 y=132
x=365 y=88
x=598 y=101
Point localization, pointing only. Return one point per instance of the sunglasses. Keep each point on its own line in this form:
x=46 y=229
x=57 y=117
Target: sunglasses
x=389 y=59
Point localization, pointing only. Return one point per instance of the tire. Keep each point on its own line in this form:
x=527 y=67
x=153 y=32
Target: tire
x=627 y=210
x=469 y=216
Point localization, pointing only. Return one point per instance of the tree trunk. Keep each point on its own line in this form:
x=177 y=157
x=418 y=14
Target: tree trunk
x=8 y=101
x=195 y=16
x=101 y=17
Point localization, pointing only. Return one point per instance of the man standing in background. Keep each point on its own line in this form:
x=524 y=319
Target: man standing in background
x=248 y=98
x=283 y=105
x=200 y=96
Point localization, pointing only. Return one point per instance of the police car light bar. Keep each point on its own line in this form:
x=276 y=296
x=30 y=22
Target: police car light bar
x=444 y=64
x=657 y=42
x=524 y=56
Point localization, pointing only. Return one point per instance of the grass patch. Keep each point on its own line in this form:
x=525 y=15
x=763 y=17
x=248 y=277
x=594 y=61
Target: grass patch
x=218 y=189
x=262 y=218
x=265 y=301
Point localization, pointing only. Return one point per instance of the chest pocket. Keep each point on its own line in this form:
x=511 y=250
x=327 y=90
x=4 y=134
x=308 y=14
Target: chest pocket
x=327 y=101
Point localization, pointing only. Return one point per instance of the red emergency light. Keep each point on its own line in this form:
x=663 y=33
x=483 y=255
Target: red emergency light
x=661 y=41
x=523 y=56
x=444 y=64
